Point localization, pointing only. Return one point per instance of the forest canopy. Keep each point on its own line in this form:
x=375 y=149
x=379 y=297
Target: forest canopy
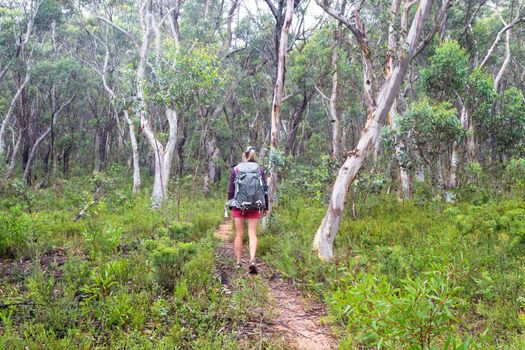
x=358 y=110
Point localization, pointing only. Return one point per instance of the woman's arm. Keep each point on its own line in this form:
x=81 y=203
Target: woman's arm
x=231 y=189
x=265 y=188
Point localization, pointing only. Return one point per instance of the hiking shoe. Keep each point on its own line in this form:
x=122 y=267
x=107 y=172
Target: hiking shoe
x=252 y=267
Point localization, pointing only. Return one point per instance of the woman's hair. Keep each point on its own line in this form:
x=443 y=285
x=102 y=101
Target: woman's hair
x=249 y=155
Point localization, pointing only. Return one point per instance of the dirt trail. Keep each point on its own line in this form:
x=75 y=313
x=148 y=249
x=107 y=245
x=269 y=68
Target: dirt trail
x=296 y=319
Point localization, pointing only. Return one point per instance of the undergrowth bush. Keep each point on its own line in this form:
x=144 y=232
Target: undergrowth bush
x=102 y=241
x=398 y=262
x=417 y=315
x=168 y=260
x=16 y=232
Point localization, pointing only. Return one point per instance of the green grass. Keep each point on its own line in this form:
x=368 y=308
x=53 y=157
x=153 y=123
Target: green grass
x=107 y=288
x=413 y=274
x=417 y=274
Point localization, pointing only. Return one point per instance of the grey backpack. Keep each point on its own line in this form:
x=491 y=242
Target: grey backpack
x=249 y=188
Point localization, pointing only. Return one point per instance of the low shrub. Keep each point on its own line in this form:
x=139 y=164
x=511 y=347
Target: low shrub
x=420 y=314
x=16 y=232
x=100 y=242
x=168 y=260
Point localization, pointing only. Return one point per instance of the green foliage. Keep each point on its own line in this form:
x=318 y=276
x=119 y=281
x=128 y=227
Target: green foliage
x=16 y=232
x=415 y=274
x=302 y=181
x=102 y=242
x=446 y=76
x=181 y=232
x=414 y=316
x=193 y=77
x=515 y=172
x=168 y=261
x=49 y=12
x=102 y=283
x=509 y=125
x=425 y=129
x=479 y=97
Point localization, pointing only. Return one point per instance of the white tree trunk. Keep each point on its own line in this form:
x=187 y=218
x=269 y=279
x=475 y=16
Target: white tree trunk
x=163 y=156
x=420 y=174
x=12 y=163
x=325 y=235
x=163 y=159
x=9 y=113
x=32 y=154
x=131 y=127
x=21 y=54
x=454 y=156
x=332 y=103
x=134 y=153
x=452 y=175
x=277 y=99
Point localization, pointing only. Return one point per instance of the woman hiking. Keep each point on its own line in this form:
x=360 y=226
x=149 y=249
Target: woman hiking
x=248 y=199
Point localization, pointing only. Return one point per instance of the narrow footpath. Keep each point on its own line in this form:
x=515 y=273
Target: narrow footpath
x=295 y=320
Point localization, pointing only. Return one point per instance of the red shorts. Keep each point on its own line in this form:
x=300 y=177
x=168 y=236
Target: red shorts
x=246 y=214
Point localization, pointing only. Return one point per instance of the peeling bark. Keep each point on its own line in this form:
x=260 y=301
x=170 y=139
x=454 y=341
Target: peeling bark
x=325 y=235
x=277 y=99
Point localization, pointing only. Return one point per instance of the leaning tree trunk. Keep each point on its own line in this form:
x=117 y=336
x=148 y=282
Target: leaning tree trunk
x=325 y=235
x=296 y=122
x=9 y=113
x=12 y=163
x=32 y=154
x=131 y=126
x=277 y=99
x=163 y=156
x=54 y=115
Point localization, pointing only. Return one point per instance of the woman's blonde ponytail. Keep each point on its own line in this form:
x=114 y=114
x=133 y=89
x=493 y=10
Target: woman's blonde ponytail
x=249 y=155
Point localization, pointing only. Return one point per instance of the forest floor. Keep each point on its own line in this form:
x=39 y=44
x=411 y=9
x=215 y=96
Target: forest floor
x=294 y=319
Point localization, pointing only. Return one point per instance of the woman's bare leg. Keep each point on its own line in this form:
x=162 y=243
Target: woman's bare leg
x=239 y=235
x=252 y=233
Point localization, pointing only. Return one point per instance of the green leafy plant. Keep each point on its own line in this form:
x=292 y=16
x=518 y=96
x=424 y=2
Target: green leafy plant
x=417 y=314
x=100 y=242
x=168 y=261
x=101 y=284
x=15 y=232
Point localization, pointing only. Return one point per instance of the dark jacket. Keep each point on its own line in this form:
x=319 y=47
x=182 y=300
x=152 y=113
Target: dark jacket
x=231 y=189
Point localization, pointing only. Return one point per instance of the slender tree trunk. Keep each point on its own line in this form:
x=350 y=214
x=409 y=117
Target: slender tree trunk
x=332 y=103
x=98 y=151
x=163 y=156
x=452 y=175
x=9 y=113
x=210 y=167
x=405 y=189
x=163 y=160
x=54 y=115
x=32 y=154
x=296 y=122
x=131 y=126
x=12 y=163
x=277 y=99
x=65 y=159
x=134 y=153
x=325 y=235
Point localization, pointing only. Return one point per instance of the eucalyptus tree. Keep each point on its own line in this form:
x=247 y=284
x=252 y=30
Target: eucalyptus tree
x=17 y=25
x=148 y=34
x=278 y=95
x=378 y=106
